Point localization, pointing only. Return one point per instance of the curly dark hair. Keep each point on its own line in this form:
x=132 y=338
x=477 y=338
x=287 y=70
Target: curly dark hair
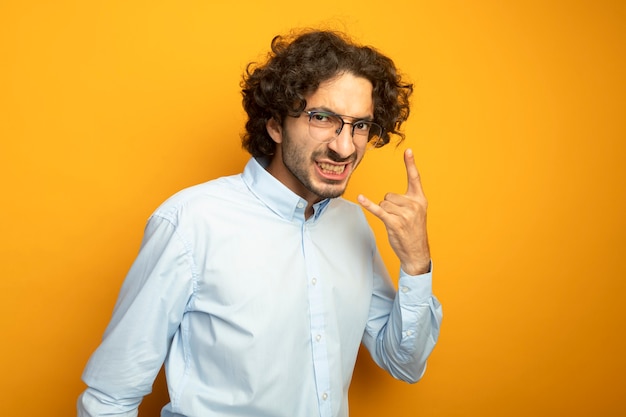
x=296 y=66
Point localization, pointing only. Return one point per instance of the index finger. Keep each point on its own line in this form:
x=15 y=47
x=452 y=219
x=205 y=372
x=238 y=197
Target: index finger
x=414 y=184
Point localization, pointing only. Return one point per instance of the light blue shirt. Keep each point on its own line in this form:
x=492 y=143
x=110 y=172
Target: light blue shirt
x=255 y=310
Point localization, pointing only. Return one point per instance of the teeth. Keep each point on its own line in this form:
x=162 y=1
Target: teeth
x=337 y=169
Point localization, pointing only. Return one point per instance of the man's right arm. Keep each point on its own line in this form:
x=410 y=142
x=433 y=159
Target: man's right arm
x=93 y=403
x=148 y=312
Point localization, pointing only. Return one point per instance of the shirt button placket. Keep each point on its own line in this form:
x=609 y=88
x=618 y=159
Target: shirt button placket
x=318 y=325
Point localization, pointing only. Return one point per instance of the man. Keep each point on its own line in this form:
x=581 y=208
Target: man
x=256 y=290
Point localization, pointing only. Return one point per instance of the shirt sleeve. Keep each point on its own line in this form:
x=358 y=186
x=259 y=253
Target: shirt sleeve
x=148 y=312
x=403 y=325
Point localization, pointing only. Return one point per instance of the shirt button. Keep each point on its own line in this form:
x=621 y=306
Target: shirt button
x=324 y=396
x=318 y=337
x=405 y=289
x=300 y=205
x=314 y=281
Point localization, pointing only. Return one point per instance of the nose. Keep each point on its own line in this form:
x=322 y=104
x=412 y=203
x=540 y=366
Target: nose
x=343 y=144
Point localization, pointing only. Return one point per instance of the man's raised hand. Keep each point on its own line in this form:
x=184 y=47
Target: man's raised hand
x=404 y=217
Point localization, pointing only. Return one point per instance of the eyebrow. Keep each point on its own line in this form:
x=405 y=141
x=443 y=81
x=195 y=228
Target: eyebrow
x=367 y=118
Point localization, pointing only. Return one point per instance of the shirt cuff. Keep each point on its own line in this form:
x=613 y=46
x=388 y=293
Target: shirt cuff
x=416 y=288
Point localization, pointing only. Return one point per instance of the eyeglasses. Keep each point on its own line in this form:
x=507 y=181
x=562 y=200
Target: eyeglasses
x=326 y=126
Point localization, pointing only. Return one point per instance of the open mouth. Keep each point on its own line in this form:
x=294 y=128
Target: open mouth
x=331 y=169
x=333 y=172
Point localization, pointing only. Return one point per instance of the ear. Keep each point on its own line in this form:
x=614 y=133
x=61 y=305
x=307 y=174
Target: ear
x=275 y=130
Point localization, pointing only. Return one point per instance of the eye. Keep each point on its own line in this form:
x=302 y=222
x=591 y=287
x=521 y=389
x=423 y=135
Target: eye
x=323 y=119
x=362 y=126
x=320 y=117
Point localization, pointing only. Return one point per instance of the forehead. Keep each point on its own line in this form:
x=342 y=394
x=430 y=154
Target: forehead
x=344 y=94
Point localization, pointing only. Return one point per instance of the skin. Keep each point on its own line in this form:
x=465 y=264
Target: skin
x=316 y=171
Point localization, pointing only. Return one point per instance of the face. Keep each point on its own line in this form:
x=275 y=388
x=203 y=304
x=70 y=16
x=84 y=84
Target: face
x=315 y=170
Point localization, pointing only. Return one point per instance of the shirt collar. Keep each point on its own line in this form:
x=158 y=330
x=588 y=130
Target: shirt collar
x=274 y=194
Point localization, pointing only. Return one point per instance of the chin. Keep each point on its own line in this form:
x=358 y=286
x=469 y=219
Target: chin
x=332 y=191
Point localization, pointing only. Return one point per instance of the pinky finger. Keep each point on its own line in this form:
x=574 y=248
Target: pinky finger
x=370 y=206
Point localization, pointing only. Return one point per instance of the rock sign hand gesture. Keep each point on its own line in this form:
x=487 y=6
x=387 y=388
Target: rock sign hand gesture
x=404 y=217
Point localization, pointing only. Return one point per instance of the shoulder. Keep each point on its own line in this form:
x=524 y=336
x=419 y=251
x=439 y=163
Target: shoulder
x=201 y=198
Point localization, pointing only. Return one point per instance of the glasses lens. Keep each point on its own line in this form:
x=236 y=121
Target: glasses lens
x=323 y=126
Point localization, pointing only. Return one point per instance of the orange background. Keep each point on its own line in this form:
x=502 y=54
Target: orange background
x=109 y=107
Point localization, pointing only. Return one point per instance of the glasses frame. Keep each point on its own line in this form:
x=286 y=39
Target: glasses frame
x=376 y=144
